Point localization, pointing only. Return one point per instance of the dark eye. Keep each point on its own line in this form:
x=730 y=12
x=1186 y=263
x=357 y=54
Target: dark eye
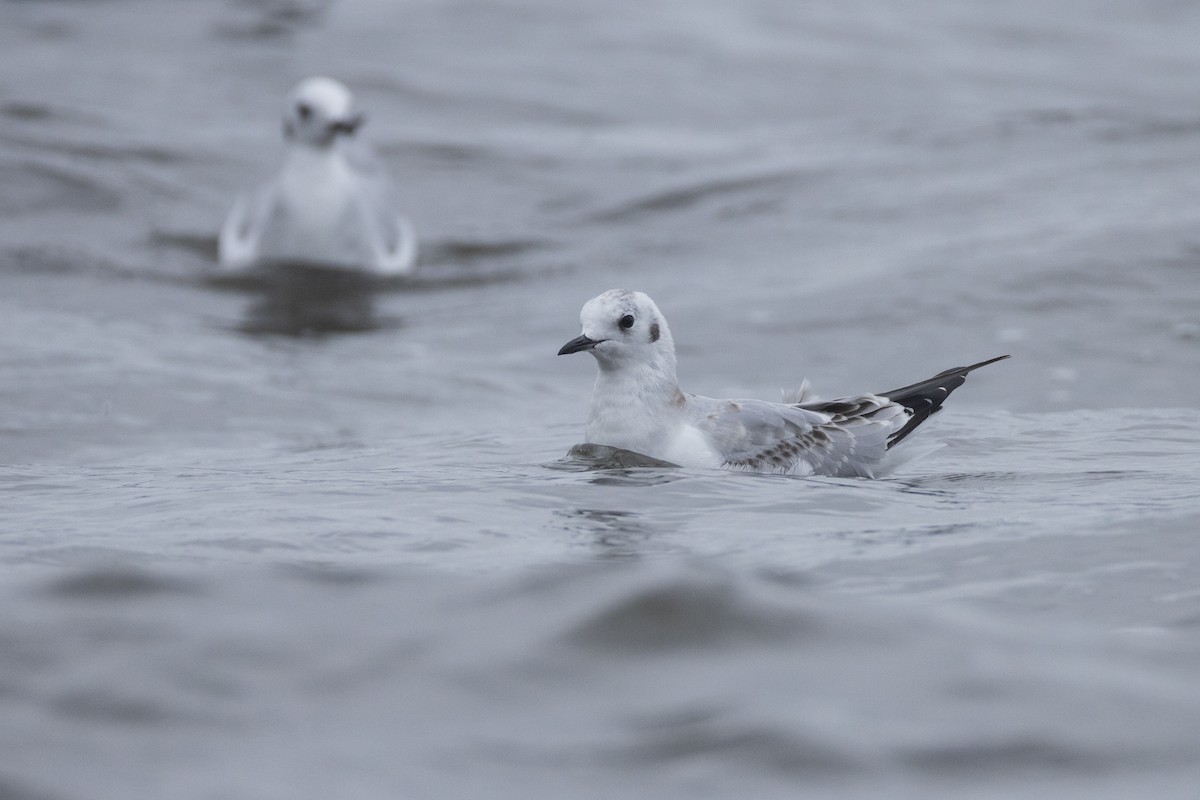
x=304 y=110
x=626 y=322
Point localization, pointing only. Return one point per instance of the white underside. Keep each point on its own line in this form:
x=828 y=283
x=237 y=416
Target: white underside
x=319 y=210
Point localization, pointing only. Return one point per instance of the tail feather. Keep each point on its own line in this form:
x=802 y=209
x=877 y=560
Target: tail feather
x=924 y=399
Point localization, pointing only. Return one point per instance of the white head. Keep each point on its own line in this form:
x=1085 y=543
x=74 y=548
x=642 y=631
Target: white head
x=622 y=328
x=319 y=110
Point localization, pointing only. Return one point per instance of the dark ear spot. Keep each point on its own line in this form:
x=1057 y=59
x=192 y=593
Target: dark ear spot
x=654 y=331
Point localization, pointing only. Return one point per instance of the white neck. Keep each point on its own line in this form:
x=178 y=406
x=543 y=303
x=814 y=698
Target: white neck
x=308 y=153
x=316 y=186
x=636 y=406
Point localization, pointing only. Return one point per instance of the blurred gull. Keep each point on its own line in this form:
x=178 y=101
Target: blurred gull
x=637 y=405
x=331 y=205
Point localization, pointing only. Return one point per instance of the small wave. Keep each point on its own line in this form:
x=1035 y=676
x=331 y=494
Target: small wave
x=201 y=245
x=673 y=611
x=271 y=19
x=751 y=746
x=1005 y=755
x=117 y=584
x=687 y=196
x=27 y=112
x=99 y=705
x=34 y=187
x=449 y=153
x=460 y=250
x=103 y=151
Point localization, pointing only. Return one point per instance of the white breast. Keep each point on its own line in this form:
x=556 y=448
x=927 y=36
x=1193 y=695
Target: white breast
x=623 y=416
x=317 y=219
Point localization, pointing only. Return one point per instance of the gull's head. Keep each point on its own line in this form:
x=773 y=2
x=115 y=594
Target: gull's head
x=319 y=110
x=623 y=328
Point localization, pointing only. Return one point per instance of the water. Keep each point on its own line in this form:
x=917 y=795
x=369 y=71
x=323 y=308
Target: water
x=255 y=546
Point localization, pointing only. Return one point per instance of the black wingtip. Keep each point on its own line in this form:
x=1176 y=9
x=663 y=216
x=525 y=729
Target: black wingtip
x=924 y=399
x=965 y=370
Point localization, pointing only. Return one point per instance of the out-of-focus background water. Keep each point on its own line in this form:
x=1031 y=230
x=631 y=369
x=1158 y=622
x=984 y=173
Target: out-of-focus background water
x=239 y=562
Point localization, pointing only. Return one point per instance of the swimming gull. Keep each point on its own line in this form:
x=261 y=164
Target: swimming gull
x=331 y=205
x=637 y=405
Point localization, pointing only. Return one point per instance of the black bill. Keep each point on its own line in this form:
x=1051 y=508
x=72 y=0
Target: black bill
x=578 y=344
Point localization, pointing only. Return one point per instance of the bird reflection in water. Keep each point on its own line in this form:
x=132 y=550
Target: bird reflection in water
x=306 y=300
x=612 y=534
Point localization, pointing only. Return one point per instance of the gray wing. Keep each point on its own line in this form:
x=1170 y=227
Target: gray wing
x=845 y=438
x=238 y=246
x=394 y=241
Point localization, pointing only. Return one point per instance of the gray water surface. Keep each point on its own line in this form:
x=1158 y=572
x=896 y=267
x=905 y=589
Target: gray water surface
x=257 y=544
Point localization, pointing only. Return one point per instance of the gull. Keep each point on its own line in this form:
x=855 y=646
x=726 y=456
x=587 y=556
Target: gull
x=331 y=204
x=637 y=405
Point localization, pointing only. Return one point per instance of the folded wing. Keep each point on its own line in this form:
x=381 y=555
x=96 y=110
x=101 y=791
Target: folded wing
x=847 y=437
x=238 y=246
x=393 y=240
x=844 y=438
